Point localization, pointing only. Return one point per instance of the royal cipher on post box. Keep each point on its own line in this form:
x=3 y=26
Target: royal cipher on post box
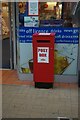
x=43 y=60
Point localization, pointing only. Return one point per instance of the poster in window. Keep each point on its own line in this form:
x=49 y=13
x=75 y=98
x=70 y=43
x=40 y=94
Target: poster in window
x=33 y=8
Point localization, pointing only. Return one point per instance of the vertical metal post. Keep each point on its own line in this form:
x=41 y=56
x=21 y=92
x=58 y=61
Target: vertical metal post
x=11 y=56
x=12 y=20
x=0 y=35
x=14 y=33
x=17 y=38
x=79 y=62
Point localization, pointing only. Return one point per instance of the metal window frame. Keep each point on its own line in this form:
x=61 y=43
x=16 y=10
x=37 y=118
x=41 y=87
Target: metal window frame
x=13 y=51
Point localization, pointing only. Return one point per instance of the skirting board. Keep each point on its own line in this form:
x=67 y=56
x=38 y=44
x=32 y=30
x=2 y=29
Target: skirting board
x=57 y=78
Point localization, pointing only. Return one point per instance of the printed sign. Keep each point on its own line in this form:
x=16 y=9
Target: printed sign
x=33 y=7
x=31 y=21
x=43 y=54
x=62 y=35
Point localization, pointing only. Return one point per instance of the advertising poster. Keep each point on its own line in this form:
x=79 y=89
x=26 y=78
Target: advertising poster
x=26 y=58
x=31 y=21
x=65 y=59
x=65 y=51
x=33 y=7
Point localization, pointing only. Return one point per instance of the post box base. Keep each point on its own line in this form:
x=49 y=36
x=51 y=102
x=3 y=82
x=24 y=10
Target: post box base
x=43 y=85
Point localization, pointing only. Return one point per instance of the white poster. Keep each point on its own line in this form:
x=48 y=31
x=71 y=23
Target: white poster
x=33 y=7
x=43 y=54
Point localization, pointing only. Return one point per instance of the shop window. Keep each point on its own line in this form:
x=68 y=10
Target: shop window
x=50 y=14
x=50 y=10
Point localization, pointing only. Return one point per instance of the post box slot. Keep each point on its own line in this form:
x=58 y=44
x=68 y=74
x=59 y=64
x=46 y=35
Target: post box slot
x=43 y=41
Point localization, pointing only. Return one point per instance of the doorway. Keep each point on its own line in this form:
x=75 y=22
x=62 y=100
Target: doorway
x=8 y=36
x=5 y=36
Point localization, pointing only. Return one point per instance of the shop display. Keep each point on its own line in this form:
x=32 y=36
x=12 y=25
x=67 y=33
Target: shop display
x=5 y=21
x=67 y=21
x=22 y=7
x=50 y=11
x=5 y=30
x=57 y=11
x=0 y=22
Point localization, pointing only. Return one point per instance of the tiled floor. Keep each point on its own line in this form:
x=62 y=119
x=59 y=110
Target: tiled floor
x=10 y=77
x=21 y=100
x=27 y=102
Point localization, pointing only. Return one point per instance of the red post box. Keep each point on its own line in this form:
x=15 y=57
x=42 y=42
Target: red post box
x=43 y=59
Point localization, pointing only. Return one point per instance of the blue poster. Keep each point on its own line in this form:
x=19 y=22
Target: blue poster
x=62 y=35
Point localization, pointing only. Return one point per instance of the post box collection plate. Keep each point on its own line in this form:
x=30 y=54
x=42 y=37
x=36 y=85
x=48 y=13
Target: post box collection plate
x=43 y=54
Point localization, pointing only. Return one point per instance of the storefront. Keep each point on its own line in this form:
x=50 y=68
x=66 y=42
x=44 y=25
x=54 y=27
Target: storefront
x=47 y=17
